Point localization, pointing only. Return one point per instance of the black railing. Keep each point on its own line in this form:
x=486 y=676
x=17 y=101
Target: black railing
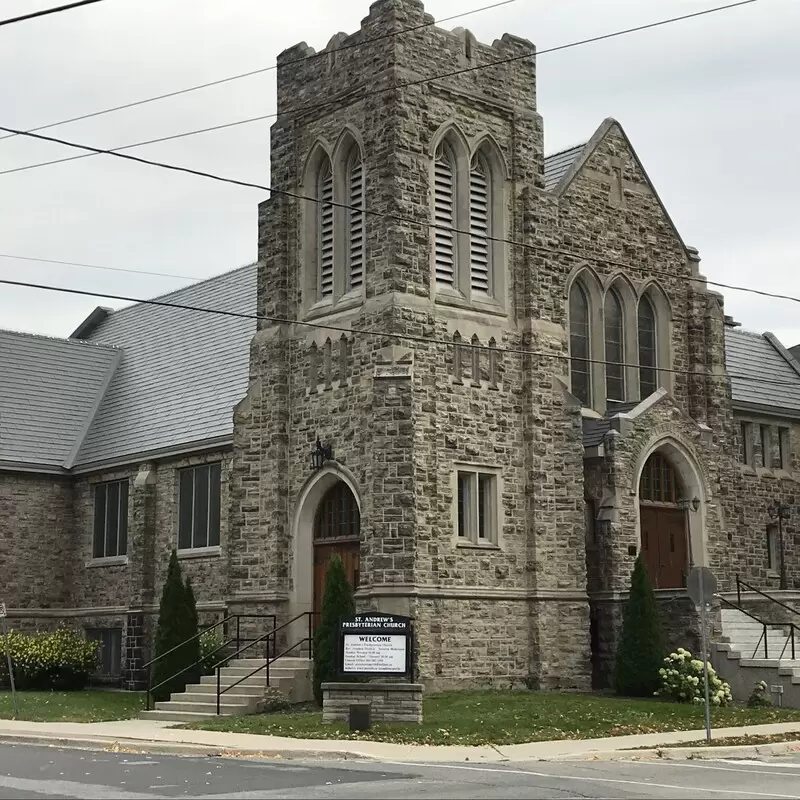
x=740 y=583
x=226 y=643
x=271 y=640
x=790 y=639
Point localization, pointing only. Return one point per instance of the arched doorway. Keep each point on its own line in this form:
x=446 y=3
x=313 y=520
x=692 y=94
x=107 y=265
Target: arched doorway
x=337 y=531
x=663 y=524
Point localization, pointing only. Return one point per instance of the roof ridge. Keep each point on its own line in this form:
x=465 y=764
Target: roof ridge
x=60 y=339
x=567 y=149
x=166 y=295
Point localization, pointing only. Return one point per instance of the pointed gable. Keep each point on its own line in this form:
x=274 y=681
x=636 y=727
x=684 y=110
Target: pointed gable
x=610 y=158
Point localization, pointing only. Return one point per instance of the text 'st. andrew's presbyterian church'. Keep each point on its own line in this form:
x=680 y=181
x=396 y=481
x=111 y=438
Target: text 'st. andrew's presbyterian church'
x=526 y=383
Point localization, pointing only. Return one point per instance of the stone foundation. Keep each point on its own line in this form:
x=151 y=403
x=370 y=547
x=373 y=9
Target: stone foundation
x=389 y=702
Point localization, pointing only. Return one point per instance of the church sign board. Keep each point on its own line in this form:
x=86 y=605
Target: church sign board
x=374 y=644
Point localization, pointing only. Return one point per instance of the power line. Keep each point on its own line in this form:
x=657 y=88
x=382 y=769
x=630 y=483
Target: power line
x=395 y=217
x=371 y=92
x=97 y=266
x=410 y=337
x=45 y=11
x=260 y=71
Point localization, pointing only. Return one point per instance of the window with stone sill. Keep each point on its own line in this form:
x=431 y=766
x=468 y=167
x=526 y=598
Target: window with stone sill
x=199 y=507
x=110 y=536
x=773 y=546
x=477 y=506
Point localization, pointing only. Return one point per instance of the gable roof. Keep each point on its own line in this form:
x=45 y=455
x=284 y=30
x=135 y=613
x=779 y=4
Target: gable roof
x=49 y=392
x=772 y=379
x=182 y=371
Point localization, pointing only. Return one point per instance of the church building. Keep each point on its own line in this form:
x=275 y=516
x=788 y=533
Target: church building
x=485 y=377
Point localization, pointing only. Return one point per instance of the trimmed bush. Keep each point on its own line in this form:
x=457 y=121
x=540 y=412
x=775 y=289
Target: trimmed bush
x=337 y=602
x=640 y=652
x=60 y=660
x=682 y=681
x=176 y=624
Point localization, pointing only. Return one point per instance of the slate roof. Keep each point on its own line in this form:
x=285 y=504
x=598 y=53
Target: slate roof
x=556 y=165
x=49 y=392
x=773 y=377
x=594 y=430
x=182 y=371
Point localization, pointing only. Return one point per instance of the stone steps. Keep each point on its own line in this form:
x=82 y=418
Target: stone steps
x=292 y=676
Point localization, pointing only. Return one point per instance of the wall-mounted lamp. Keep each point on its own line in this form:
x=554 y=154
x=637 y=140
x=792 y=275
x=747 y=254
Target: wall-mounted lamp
x=685 y=504
x=320 y=454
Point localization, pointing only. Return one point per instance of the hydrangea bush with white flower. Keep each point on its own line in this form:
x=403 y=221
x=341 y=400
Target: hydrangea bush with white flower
x=682 y=681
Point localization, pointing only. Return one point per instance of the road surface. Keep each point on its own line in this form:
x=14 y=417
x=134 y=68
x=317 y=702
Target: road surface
x=28 y=771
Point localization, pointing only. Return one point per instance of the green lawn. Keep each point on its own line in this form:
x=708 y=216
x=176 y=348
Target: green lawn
x=474 y=718
x=87 y=706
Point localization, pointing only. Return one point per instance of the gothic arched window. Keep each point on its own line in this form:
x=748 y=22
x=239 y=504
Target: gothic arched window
x=444 y=215
x=480 y=225
x=338 y=516
x=615 y=347
x=325 y=224
x=648 y=350
x=579 y=346
x=354 y=226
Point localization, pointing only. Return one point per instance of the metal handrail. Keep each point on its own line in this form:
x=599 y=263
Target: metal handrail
x=228 y=642
x=269 y=660
x=740 y=583
x=765 y=625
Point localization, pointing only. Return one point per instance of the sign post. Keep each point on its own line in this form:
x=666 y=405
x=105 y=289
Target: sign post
x=702 y=586
x=373 y=645
x=3 y=615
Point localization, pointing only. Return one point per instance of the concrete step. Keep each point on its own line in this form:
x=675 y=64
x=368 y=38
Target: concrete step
x=176 y=716
x=229 y=698
x=208 y=708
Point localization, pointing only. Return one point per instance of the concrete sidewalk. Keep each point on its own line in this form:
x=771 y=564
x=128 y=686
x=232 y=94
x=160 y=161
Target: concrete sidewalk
x=156 y=736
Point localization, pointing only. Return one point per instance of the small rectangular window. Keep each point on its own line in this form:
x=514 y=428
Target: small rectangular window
x=110 y=519
x=773 y=546
x=766 y=445
x=785 y=461
x=199 y=507
x=109 y=662
x=477 y=506
x=746 y=443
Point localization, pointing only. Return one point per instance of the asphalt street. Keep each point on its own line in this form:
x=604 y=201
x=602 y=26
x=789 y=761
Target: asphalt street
x=33 y=772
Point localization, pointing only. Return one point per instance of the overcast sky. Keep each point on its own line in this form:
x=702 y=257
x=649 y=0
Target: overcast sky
x=710 y=104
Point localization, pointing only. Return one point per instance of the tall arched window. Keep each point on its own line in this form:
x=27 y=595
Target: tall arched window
x=325 y=229
x=338 y=516
x=480 y=225
x=648 y=360
x=615 y=347
x=579 y=344
x=354 y=230
x=444 y=215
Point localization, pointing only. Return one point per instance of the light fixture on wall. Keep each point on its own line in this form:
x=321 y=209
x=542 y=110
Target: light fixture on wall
x=685 y=504
x=320 y=454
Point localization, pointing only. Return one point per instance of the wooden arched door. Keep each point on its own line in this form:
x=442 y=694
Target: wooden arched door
x=337 y=532
x=663 y=524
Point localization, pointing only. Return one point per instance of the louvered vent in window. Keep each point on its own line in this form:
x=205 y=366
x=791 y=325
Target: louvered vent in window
x=325 y=217
x=355 y=221
x=444 y=201
x=479 y=209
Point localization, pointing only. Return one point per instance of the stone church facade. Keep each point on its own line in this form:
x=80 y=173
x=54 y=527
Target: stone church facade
x=521 y=375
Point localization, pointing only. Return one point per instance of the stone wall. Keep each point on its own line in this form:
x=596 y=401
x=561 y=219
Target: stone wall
x=36 y=543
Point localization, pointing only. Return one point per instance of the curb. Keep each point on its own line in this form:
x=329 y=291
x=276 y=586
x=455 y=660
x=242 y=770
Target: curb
x=117 y=745
x=680 y=753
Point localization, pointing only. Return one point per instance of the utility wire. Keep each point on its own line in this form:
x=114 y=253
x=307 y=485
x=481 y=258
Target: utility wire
x=362 y=95
x=45 y=11
x=262 y=70
x=383 y=334
x=97 y=266
x=395 y=217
